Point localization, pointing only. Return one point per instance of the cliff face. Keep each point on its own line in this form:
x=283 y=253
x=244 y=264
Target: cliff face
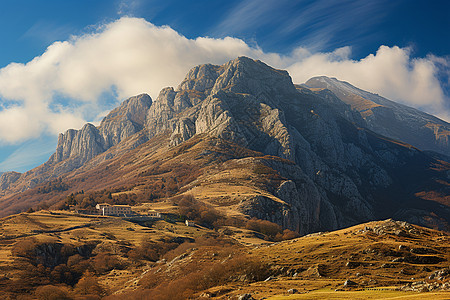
x=82 y=144
x=335 y=172
x=125 y=120
x=8 y=178
x=76 y=147
x=390 y=119
x=258 y=107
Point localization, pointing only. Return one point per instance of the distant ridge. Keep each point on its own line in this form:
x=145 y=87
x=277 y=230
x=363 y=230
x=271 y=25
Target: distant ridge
x=389 y=118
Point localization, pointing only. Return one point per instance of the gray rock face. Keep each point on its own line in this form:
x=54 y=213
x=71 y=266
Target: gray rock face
x=84 y=144
x=389 y=118
x=125 y=120
x=8 y=178
x=75 y=147
x=256 y=106
x=227 y=102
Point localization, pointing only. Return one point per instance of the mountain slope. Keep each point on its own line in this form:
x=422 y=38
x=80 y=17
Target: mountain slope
x=390 y=119
x=243 y=138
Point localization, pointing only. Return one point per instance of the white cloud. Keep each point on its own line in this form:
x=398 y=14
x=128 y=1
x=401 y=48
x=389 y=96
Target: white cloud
x=131 y=56
x=127 y=57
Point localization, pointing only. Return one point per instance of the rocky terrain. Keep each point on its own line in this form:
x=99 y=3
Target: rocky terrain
x=307 y=159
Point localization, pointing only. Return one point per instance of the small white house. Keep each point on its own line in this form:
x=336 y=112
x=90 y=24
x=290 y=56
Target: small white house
x=154 y=214
x=190 y=223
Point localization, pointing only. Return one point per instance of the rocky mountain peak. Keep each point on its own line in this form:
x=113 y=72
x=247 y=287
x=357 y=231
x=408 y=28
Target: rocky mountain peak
x=201 y=78
x=248 y=76
x=125 y=120
x=215 y=99
x=131 y=109
x=82 y=144
x=329 y=83
x=241 y=75
x=75 y=147
x=389 y=118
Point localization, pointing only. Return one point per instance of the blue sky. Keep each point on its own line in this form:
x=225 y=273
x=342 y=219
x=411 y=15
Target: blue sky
x=49 y=49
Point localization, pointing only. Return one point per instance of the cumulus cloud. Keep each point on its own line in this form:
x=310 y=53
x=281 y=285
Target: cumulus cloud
x=124 y=58
x=131 y=56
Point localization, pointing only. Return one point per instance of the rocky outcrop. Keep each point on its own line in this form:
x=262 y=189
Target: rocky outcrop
x=76 y=147
x=227 y=102
x=8 y=178
x=339 y=164
x=125 y=120
x=82 y=144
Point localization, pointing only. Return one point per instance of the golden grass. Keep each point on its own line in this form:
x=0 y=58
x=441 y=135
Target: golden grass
x=108 y=232
x=367 y=294
x=318 y=259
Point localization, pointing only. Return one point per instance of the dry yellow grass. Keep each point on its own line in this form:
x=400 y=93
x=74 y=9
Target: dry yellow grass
x=378 y=256
x=362 y=295
x=316 y=265
x=108 y=232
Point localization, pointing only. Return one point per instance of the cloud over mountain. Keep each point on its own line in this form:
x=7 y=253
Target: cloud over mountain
x=61 y=88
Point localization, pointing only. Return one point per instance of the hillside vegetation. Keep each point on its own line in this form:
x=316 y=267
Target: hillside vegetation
x=79 y=257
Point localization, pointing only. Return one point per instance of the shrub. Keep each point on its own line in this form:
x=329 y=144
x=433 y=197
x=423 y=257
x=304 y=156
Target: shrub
x=105 y=262
x=152 y=251
x=265 y=227
x=25 y=248
x=51 y=292
x=286 y=235
x=77 y=264
x=204 y=276
x=201 y=213
x=62 y=273
x=88 y=285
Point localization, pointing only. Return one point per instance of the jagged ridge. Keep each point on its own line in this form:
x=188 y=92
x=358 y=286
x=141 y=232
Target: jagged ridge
x=390 y=119
x=341 y=174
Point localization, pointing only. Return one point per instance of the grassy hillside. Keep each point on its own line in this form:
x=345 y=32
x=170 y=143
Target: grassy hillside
x=81 y=257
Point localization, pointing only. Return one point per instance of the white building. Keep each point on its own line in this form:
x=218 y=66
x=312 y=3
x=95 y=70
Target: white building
x=190 y=223
x=113 y=210
x=154 y=214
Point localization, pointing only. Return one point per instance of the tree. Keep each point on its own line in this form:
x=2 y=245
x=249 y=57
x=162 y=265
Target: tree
x=88 y=285
x=51 y=292
x=71 y=200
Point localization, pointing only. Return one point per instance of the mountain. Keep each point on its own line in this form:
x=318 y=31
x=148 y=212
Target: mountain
x=389 y=118
x=7 y=178
x=243 y=138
